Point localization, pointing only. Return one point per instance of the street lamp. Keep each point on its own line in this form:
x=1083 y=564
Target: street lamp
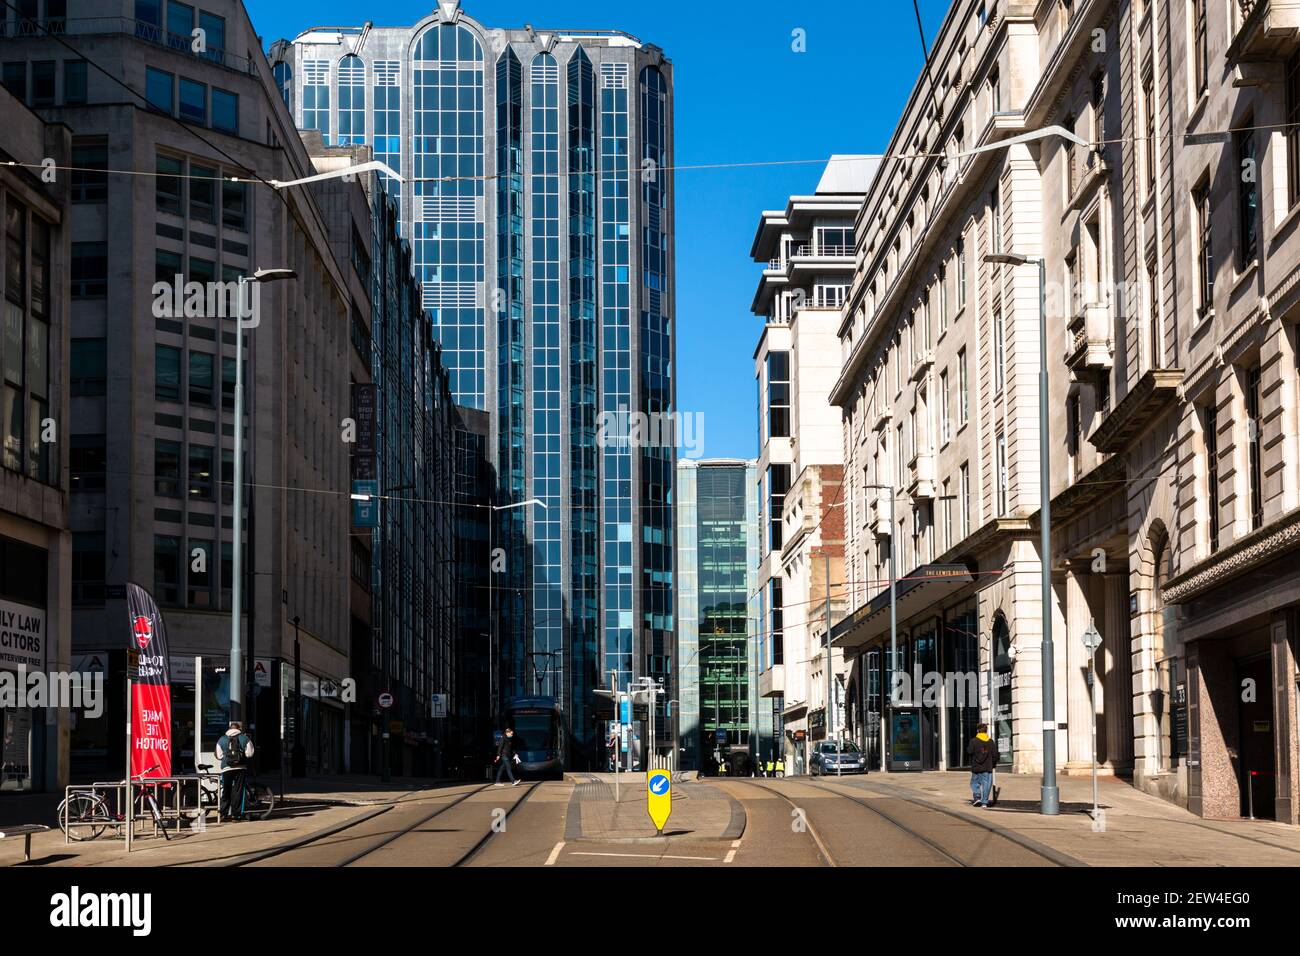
x=236 y=585
x=492 y=621
x=1051 y=798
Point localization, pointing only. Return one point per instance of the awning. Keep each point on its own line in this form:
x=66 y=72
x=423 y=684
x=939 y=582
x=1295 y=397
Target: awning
x=917 y=591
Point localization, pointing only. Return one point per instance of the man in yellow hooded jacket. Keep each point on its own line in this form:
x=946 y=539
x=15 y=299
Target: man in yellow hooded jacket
x=983 y=752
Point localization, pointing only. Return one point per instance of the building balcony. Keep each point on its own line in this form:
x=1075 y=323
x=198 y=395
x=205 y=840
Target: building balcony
x=920 y=485
x=771 y=682
x=1270 y=30
x=882 y=418
x=1088 y=343
x=880 y=517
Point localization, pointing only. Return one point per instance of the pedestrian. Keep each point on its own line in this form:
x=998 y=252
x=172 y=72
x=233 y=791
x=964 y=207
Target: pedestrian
x=234 y=752
x=506 y=756
x=984 y=757
x=780 y=766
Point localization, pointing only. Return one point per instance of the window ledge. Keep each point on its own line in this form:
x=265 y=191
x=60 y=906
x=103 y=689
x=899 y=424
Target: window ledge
x=1248 y=272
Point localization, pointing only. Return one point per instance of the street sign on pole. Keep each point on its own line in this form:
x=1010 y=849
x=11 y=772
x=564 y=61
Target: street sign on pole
x=385 y=700
x=1091 y=641
x=438 y=705
x=659 y=797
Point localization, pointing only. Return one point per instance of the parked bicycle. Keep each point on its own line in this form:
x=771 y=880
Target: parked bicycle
x=259 y=799
x=86 y=814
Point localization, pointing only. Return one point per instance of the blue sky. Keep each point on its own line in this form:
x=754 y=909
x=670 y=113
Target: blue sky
x=742 y=95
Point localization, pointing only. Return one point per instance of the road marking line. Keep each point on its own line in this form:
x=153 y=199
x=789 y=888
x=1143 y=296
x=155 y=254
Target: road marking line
x=550 y=860
x=651 y=856
x=735 y=844
x=731 y=855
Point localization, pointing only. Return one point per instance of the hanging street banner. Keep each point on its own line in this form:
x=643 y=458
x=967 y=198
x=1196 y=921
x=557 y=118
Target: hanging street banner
x=151 y=693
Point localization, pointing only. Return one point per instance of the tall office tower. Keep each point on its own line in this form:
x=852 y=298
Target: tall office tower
x=537 y=193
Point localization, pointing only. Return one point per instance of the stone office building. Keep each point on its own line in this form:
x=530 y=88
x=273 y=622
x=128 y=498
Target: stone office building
x=1170 y=257
x=151 y=424
x=35 y=546
x=806 y=251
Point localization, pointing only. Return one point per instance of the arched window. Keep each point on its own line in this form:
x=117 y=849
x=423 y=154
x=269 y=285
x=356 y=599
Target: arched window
x=352 y=100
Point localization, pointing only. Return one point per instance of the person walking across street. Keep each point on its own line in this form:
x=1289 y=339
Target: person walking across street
x=984 y=757
x=235 y=753
x=506 y=756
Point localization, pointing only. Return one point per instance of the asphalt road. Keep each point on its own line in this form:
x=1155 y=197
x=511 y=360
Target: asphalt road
x=788 y=822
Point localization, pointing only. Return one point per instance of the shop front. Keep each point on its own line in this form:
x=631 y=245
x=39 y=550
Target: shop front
x=24 y=649
x=937 y=690
x=1235 y=710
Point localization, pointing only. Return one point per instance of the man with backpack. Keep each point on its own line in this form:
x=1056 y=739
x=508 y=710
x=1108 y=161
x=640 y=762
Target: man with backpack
x=984 y=757
x=235 y=751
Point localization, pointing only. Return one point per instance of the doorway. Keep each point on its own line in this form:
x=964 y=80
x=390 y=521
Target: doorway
x=1255 y=751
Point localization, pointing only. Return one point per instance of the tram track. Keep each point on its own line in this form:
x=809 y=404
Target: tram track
x=822 y=850
x=314 y=840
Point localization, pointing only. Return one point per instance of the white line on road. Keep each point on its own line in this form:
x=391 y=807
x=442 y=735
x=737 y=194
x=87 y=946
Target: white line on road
x=735 y=844
x=731 y=855
x=651 y=856
x=555 y=853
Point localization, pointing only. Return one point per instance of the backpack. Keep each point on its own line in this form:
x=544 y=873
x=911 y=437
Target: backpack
x=235 y=751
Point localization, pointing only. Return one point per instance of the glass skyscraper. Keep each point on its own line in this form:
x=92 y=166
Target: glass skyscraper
x=720 y=714
x=537 y=196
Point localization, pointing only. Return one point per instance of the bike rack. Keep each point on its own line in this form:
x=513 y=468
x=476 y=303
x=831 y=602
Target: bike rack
x=170 y=802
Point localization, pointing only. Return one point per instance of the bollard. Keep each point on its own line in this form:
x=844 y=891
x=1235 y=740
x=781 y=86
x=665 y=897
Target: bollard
x=1250 y=794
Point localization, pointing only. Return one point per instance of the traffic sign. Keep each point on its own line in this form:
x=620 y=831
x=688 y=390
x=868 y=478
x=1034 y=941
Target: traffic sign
x=385 y=700
x=720 y=736
x=438 y=705
x=659 y=797
x=1091 y=639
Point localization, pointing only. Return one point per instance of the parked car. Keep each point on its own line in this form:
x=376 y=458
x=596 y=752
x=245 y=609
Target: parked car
x=832 y=758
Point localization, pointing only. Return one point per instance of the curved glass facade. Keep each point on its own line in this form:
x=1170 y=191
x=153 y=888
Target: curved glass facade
x=546 y=668
x=512 y=411
x=616 y=370
x=447 y=199
x=657 y=458
x=584 y=476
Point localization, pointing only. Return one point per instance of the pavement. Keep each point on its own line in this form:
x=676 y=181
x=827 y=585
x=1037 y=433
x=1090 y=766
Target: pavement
x=1139 y=829
x=922 y=819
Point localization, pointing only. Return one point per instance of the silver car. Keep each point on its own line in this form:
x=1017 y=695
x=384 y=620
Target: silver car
x=831 y=758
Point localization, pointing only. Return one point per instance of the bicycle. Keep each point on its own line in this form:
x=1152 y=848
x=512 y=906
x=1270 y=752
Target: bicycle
x=89 y=809
x=259 y=799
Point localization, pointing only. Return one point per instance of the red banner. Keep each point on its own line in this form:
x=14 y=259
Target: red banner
x=151 y=693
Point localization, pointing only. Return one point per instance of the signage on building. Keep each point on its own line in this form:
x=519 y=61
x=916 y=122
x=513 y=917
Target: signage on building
x=363 y=406
x=365 y=504
x=262 y=672
x=22 y=636
x=328 y=688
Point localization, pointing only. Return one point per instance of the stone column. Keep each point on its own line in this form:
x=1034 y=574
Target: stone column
x=1078 y=717
x=1119 y=675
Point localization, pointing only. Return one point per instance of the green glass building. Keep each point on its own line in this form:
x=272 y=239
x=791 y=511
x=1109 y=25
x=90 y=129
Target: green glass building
x=718 y=714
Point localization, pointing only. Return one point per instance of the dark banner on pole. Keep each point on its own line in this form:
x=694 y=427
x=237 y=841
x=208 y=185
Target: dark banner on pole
x=151 y=694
